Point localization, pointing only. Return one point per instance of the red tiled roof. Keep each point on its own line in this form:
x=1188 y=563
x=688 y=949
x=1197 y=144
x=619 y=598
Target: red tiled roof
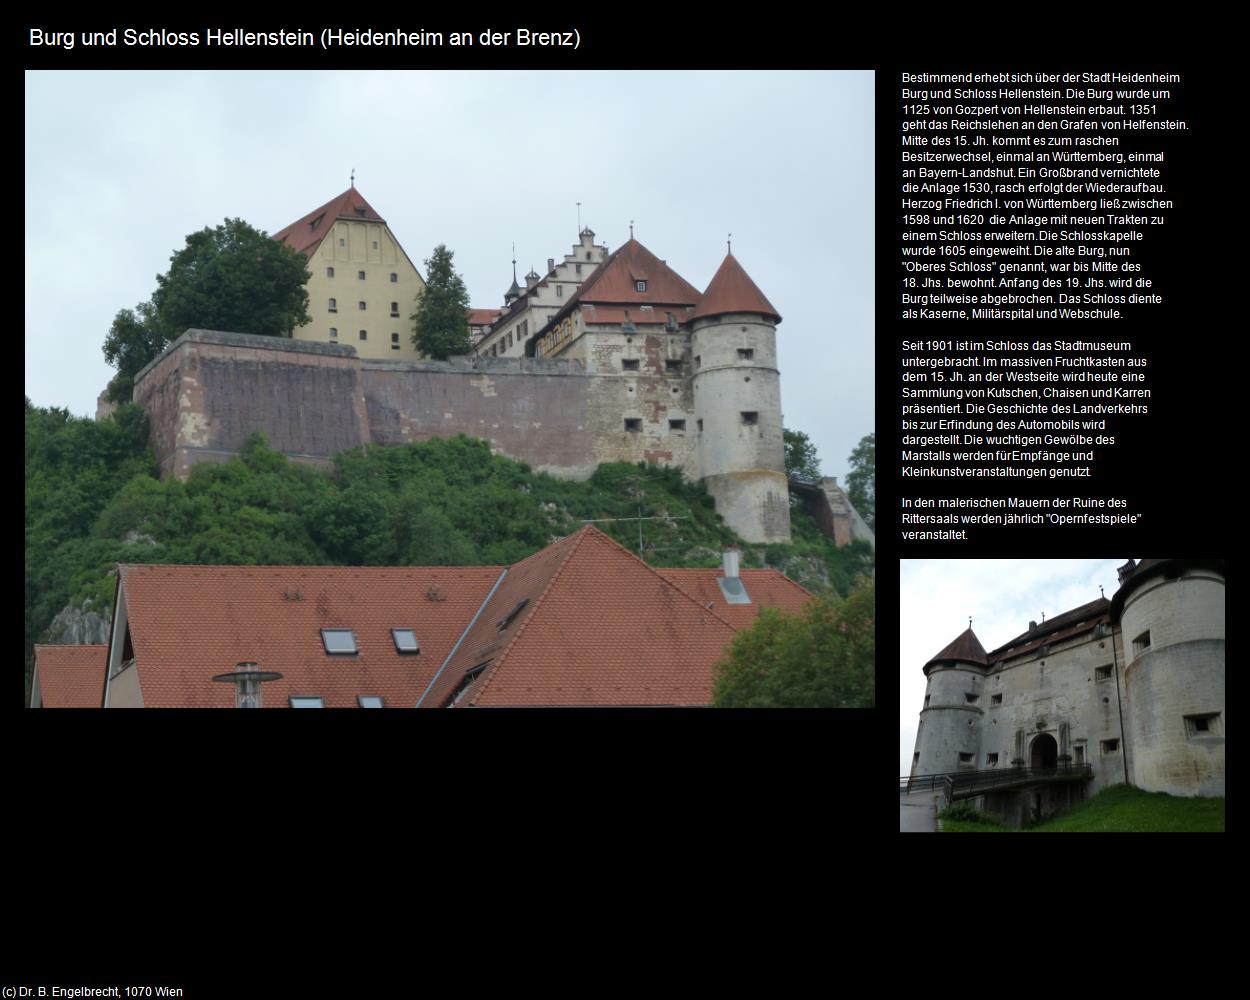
x=189 y=623
x=305 y=237
x=966 y=648
x=616 y=315
x=483 y=317
x=71 y=676
x=601 y=627
x=767 y=588
x=1086 y=615
x=732 y=291
x=615 y=281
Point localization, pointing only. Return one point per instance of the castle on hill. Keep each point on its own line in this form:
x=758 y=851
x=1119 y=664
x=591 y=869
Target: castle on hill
x=1129 y=690
x=609 y=357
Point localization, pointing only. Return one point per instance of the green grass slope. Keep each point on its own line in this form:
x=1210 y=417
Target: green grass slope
x=1118 y=809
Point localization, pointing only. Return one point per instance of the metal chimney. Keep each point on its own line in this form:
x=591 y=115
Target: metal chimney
x=730 y=564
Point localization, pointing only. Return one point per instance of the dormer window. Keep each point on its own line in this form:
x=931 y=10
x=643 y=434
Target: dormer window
x=640 y=286
x=316 y=222
x=361 y=212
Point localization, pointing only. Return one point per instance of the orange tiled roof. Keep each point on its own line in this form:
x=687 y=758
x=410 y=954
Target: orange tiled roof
x=483 y=317
x=966 y=648
x=615 y=281
x=600 y=627
x=767 y=588
x=188 y=623
x=305 y=237
x=732 y=291
x=71 y=676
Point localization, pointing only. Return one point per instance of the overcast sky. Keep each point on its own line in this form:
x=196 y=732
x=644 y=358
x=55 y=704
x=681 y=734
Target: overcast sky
x=121 y=166
x=936 y=597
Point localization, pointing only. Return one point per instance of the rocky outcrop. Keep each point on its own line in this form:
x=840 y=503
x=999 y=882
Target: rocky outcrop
x=75 y=626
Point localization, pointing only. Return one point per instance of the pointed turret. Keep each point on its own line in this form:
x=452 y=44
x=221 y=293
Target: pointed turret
x=732 y=291
x=966 y=648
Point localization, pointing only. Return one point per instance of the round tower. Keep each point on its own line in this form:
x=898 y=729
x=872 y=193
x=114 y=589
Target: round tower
x=948 y=738
x=1170 y=614
x=737 y=405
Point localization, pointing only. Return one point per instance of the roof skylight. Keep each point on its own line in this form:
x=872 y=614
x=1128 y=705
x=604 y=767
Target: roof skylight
x=339 y=640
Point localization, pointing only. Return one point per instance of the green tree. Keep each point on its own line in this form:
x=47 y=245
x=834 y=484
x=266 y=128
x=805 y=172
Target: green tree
x=441 y=322
x=801 y=458
x=861 y=483
x=231 y=277
x=824 y=657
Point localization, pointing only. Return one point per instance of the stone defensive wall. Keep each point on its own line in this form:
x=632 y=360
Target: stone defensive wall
x=210 y=390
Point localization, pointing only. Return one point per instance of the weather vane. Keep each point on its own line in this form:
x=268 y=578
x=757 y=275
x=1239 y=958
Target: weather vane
x=353 y=176
x=729 y=246
x=631 y=229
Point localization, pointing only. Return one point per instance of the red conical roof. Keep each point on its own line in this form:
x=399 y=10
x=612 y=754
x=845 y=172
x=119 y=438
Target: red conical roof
x=966 y=648
x=733 y=291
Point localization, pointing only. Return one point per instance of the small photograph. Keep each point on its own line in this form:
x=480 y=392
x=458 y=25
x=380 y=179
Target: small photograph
x=1061 y=695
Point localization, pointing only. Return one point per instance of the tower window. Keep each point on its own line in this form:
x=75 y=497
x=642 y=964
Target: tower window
x=629 y=364
x=329 y=272
x=1103 y=673
x=375 y=244
x=991 y=759
x=996 y=699
x=633 y=423
x=1202 y=725
x=698 y=358
x=965 y=758
x=673 y=366
x=915 y=758
x=750 y=418
x=746 y=353
x=1110 y=746
x=926 y=700
x=677 y=425
x=1141 y=643
x=971 y=699
x=700 y=426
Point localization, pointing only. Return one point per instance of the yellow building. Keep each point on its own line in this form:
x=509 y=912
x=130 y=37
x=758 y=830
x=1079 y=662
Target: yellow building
x=363 y=288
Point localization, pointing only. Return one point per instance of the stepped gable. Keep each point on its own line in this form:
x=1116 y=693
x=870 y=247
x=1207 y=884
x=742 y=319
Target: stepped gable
x=305 y=237
x=966 y=648
x=598 y=627
x=70 y=676
x=732 y=291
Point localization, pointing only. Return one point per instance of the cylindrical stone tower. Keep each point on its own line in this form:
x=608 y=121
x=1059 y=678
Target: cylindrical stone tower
x=737 y=404
x=949 y=736
x=1171 y=618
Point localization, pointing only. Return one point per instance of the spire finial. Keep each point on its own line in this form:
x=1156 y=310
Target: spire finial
x=1043 y=616
x=579 y=217
x=729 y=249
x=631 y=229
x=514 y=263
x=1100 y=593
x=970 y=621
x=353 y=178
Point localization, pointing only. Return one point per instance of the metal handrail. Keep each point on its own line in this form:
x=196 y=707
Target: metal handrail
x=963 y=782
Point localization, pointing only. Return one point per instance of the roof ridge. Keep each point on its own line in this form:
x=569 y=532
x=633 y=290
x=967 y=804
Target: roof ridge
x=503 y=653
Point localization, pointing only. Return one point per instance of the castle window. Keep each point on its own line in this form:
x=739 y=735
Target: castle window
x=640 y=286
x=334 y=332
x=334 y=305
x=1079 y=751
x=673 y=366
x=926 y=700
x=362 y=307
x=364 y=334
x=677 y=425
x=991 y=759
x=633 y=423
x=996 y=699
x=360 y=275
x=629 y=364
x=750 y=418
x=559 y=291
x=394 y=277
x=965 y=758
x=1202 y=725
x=1110 y=746
x=915 y=758
x=1103 y=673
x=578 y=268
x=1141 y=643
x=745 y=353
x=394 y=341
x=342 y=242
x=700 y=426
x=698 y=358
x=375 y=244
x=971 y=699
x=588 y=257
x=394 y=308
x=329 y=272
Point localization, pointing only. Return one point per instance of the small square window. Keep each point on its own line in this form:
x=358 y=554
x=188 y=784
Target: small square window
x=339 y=640
x=1202 y=725
x=1103 y=673
x=329 y=272
x=1141 y=643
x=633 y=423
x=965 y=758
x=629 y=364
x=673 y=366
x=996 y=699
x=640 y=286
x=362 y=307
x=971 y=699
x=361 y=212
x=306 y=701
x=677 y=425
x=369 y=701
x=360 y=275
x=334 y=332
x=364 y=334
x=334 y=305
x=745 y=353
x=394 y=277
x=405 y=640
x=1110 y=746
x=750 y=418
x=991 y=759
x=394 y=338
